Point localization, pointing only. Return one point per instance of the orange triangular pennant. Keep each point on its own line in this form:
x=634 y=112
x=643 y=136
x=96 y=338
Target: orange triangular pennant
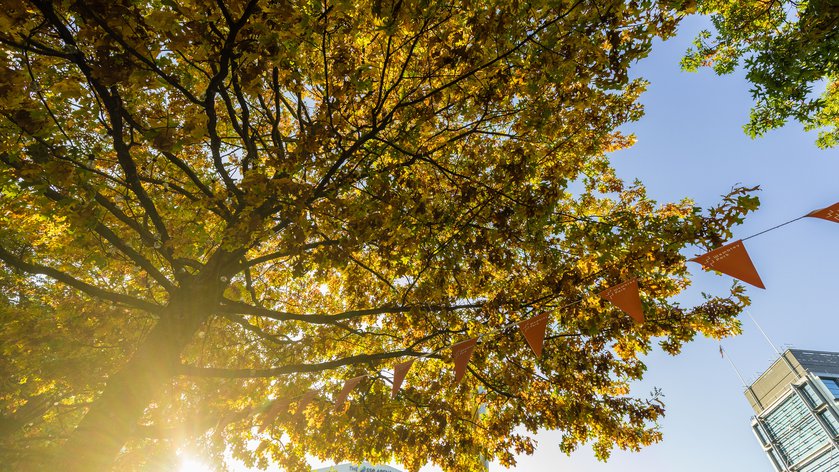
x=461 y=353
x=533 y=330
x=345 y=392
x=626 y=297
x=274 y=409
x=305 y=400
x=732 y=259
x=830 y=213
x=399 y=372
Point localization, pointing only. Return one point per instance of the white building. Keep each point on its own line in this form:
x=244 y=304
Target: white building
x=796 y=404
x=363 y=467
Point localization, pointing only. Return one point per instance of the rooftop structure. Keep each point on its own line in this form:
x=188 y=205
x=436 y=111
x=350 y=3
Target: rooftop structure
x=796 y=411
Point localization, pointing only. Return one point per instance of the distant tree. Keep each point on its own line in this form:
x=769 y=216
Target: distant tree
x=206 y=205
x=790 y=51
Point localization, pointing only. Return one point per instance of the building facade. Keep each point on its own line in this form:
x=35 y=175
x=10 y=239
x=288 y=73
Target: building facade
x=363 y=467
x=796 y=411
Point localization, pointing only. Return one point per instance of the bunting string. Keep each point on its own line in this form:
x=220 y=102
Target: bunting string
x=731 y=259
x=775 y=227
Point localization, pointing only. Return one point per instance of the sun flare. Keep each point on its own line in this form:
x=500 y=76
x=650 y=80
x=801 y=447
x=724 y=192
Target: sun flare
x=189 y=464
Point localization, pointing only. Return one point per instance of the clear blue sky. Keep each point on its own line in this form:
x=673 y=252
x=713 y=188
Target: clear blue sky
x=691 y=143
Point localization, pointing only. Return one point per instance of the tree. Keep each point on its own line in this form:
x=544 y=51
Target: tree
x=210 y=205
x=789 y=50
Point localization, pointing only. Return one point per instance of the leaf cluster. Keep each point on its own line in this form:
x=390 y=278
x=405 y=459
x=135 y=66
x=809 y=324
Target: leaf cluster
x=790 y=51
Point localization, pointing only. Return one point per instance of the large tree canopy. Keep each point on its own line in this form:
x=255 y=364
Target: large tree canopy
x=207 y=205
x=790 y=51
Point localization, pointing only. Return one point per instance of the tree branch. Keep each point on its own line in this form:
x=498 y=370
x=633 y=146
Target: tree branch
x=234 y=307
x=93 y=291
x=225 y=58
x=487 y=64
x=193 y=371
x=113 y=105
x=278 y=254
x=123 y=247
x=145 y=60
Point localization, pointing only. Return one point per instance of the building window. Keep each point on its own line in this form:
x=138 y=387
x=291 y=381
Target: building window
x=794 y=431
x=763 y=440
x=826 y=461
x=810 y=395
x=831 y=421
x=831 y=385
x=777 y=460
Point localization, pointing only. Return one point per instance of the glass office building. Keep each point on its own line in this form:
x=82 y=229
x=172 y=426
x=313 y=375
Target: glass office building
x=796 y=411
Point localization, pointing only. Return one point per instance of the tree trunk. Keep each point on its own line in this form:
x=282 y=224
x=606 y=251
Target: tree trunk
x=113 y=417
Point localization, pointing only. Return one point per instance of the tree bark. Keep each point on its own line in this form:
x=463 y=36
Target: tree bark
x=112 y=419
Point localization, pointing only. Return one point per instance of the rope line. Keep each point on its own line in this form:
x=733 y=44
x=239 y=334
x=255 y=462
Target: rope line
x=503 y=328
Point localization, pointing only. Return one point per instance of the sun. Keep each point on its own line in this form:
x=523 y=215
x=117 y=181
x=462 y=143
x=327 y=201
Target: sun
x=190 y=464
